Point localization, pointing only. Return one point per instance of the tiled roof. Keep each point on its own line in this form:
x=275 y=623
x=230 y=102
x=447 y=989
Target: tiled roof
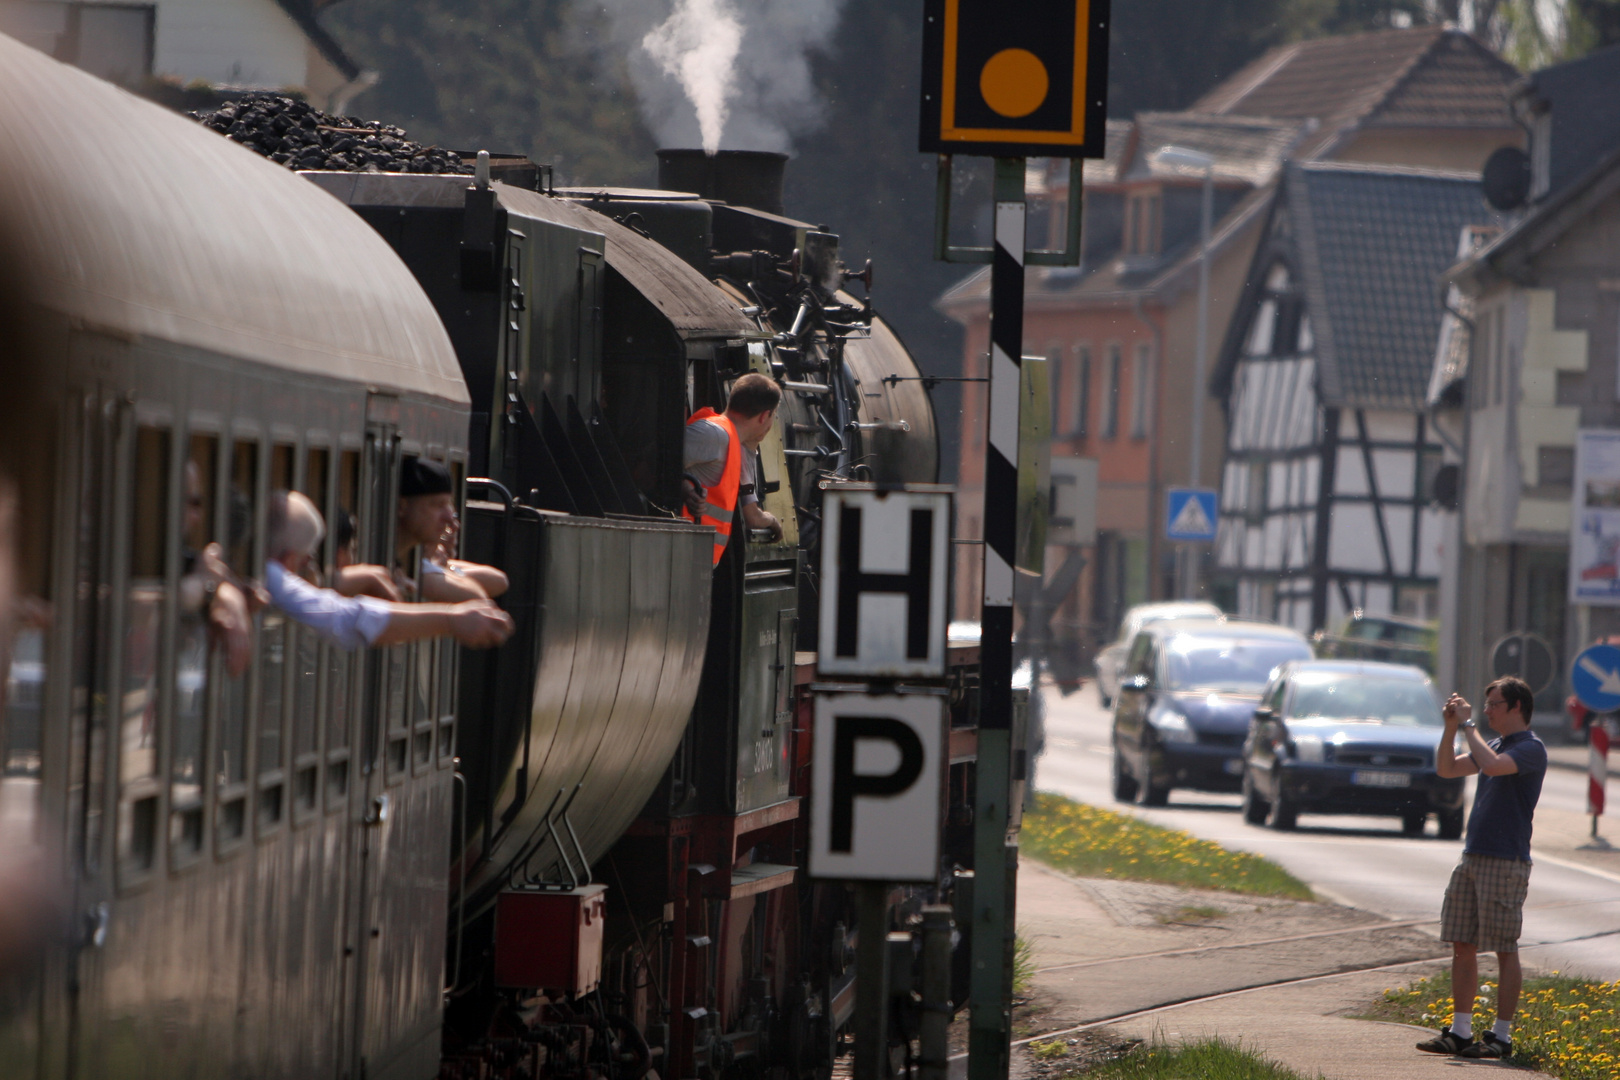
x=1371 y=244
x=1458 y=83
x=1427 y=75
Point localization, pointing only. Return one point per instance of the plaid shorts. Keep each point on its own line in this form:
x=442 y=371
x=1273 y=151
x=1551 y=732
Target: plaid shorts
x=1485 y=902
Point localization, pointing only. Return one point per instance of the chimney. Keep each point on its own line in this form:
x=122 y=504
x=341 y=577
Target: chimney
x=750 y=178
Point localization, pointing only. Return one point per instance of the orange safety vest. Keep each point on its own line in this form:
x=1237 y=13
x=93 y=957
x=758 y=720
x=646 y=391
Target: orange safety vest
x=720 y=501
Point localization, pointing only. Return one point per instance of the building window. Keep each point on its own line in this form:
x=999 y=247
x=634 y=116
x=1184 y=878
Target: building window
x=1082 y=390
x=1143 y=215
x=1541 y=154
x=1110 y=394
x=1555 y=466
x=1141 y=390
x=1254 y=502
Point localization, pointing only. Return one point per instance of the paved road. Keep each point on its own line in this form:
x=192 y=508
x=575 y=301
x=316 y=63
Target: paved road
x=1572 y=916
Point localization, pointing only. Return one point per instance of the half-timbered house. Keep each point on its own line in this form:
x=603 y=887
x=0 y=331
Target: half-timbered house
x=1327 y=484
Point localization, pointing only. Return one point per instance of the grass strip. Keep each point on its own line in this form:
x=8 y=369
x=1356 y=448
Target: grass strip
x=1213 y=1059
x=1091 y=842
x=1564 y=1026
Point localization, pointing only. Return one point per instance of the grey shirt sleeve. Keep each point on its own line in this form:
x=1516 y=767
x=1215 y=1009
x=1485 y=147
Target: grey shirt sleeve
x=703 y=454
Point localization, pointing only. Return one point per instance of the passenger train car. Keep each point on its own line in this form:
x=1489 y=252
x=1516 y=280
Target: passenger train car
x=580 y=854
x=234 y=859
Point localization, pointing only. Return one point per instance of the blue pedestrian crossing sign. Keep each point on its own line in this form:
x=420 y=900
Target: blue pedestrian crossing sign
x=1595 y=678
x=1190 y=515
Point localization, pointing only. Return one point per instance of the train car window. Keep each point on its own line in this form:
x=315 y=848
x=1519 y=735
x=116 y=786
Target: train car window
x=424 y=700
x=341 y=665
x=139 y=699
x=88 y=697
x=25 y=704
x=275 y=642
x=190 y=713
x=241 y=512
x=306 y=659
x=397 y=688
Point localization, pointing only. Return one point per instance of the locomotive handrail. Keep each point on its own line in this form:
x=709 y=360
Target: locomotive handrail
x=504 y=492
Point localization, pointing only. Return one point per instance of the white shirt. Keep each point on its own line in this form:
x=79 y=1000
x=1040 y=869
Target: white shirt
x=349 y=622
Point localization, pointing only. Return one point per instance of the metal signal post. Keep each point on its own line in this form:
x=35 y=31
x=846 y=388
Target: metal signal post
x=990 y=1019
x=1007 y=81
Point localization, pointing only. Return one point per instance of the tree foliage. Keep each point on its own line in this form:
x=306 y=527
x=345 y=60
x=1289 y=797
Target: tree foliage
x=514 y=76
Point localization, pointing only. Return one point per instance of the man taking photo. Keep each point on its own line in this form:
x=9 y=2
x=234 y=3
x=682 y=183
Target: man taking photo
x=1484 y=905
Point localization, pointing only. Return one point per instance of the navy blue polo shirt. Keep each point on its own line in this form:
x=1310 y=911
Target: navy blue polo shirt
x=1503 y=805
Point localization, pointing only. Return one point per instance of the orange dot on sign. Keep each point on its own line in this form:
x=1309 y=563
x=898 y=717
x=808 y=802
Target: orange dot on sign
x=1014 y=82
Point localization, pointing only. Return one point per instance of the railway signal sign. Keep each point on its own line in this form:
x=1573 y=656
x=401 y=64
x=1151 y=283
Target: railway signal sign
x=885 y=564
x=1014 y=80
x=875 y=786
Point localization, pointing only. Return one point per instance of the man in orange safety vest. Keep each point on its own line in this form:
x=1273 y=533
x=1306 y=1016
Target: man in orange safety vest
x=718 y=460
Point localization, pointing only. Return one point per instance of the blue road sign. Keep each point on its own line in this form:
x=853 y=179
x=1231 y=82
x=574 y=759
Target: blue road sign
x=1596 y=678
x=1191 y=514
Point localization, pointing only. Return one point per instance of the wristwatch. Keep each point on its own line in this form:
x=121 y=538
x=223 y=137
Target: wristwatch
x=1469 y=724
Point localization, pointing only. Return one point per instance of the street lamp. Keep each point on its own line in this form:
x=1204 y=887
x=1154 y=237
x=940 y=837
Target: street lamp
x=1180 y=157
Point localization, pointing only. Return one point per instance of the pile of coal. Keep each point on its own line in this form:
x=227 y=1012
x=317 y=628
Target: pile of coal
x=298 y=135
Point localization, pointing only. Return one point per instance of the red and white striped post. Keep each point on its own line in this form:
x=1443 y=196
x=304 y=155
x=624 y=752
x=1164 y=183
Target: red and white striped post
x=1597 y=767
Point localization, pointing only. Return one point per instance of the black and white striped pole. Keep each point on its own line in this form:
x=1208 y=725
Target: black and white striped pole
x=994 y=859
x=1005 y=81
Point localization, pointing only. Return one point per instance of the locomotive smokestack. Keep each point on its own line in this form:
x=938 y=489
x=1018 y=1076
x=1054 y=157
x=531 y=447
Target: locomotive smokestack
x=750 y=178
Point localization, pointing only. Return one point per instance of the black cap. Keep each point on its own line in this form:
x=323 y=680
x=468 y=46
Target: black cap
x=423 y=476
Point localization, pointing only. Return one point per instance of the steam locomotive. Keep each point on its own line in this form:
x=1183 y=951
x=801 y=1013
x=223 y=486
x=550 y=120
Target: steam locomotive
x=579 y=855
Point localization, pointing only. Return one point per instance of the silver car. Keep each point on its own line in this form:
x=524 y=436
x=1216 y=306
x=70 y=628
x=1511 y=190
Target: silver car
x=1111 y=660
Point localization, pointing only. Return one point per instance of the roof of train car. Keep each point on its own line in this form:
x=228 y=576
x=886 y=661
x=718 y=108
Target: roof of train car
x=689 y=300
x=140 y=221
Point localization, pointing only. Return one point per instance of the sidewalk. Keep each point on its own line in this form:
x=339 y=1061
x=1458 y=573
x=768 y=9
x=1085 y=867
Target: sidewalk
x=1573 y=758
x=1109 y=948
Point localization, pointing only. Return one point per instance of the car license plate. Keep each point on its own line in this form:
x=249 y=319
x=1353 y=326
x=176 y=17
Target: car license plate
x=1374 y=778
x=1233 y=766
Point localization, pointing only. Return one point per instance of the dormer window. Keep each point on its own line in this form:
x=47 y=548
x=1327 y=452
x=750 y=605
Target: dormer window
x=1144 y=222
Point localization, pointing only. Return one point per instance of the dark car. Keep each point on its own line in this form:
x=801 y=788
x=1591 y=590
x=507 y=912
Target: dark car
x=1188 y=693
x=1348 y=737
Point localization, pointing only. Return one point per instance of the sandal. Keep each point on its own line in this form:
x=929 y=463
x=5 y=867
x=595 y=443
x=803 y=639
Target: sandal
x=1488 y=1046
x=1447 y=1042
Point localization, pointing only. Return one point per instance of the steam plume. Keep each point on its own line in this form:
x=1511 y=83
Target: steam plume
x=715 y=73
x=697 y=45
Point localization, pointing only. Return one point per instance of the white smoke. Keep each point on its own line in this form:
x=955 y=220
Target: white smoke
x=697 y=46
x=715 y=73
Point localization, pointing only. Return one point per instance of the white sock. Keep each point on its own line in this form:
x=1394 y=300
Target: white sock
x=1503 y=1029
x=1462 y=1025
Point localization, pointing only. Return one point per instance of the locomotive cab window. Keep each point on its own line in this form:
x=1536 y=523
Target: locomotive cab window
x=139 y=720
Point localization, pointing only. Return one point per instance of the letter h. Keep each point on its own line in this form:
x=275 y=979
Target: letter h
x=915 y=584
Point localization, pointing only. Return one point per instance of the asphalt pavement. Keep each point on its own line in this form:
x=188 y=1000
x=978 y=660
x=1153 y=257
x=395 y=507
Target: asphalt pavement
x=1572 y=915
